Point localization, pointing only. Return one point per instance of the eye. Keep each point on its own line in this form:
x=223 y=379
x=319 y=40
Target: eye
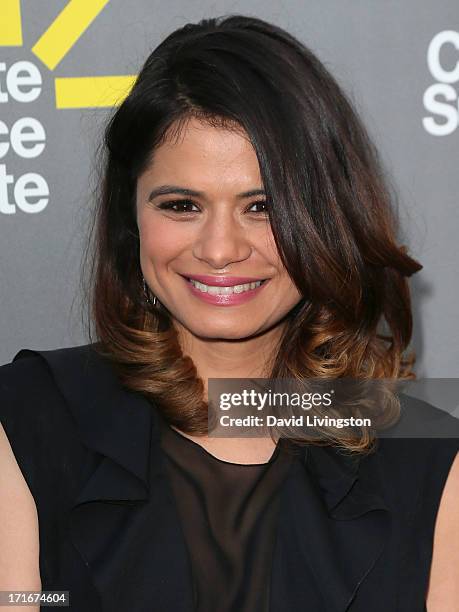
x=261 y=203
x=177 y=206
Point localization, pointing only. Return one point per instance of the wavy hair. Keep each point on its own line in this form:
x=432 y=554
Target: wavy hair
x=334 y=220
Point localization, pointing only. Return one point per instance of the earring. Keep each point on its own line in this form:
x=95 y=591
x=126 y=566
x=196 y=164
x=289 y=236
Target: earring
x=147 y=293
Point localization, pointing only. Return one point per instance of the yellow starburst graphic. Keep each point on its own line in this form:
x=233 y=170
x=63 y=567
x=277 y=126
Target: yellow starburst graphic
x=10 y=23
x=56 y=42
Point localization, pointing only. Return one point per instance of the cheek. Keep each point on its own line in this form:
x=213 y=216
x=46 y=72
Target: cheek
x=161 y=240
x=267 y=247
x=287 y=288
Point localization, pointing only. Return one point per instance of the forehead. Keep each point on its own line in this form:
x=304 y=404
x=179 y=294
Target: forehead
x=198 y=152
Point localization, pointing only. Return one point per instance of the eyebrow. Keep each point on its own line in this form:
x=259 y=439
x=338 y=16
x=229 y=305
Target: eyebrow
x=168 y=189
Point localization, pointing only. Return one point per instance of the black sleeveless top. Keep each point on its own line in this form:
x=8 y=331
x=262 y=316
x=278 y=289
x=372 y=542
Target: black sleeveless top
x=228 y=513
x=344 y=533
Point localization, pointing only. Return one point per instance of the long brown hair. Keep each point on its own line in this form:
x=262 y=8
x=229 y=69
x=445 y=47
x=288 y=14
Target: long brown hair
x=332 y=217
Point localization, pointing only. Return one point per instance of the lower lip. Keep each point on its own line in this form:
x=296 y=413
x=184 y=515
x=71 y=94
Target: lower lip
x=232 y=299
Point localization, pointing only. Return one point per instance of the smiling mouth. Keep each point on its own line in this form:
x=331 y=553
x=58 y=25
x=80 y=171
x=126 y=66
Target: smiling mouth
x=213 y=290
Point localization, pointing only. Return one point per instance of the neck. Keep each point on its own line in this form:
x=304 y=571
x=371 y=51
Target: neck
x=220 y=358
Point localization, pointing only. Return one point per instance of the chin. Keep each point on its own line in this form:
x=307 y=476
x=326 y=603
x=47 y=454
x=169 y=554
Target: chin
x=215 y=331
x=220 y=334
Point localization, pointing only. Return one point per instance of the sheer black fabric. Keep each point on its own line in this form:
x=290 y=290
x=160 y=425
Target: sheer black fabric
x=229 y=514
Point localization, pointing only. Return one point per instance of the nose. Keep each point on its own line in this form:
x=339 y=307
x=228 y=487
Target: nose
x=221 y=241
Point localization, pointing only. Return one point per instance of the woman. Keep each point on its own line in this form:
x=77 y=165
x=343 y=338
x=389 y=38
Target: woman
x=236 y=162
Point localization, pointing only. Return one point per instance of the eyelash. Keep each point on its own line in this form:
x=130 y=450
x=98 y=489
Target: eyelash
x=170 y=204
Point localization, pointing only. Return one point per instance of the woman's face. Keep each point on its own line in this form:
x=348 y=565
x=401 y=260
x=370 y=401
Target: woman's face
x=216 y=232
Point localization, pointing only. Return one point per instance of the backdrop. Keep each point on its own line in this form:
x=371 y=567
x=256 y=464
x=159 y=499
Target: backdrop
x=65 y=64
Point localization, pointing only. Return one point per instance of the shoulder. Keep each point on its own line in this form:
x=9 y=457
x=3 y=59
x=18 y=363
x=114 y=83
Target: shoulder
x=36 y=417
x=35 y=375
x=415 y=460
x=423 y=437
x=420 y=467
x=29 y=389
x=13 y=375
x=29 y=357
x=30 y=368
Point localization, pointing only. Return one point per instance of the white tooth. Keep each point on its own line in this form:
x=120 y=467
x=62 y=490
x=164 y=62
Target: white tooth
x=199 y=285
x=212 y=290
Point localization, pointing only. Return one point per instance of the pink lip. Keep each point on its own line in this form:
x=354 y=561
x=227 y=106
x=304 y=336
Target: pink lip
x=225 y=300
x=222 y=281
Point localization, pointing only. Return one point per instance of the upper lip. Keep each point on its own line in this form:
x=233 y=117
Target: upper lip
x=222 y=281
